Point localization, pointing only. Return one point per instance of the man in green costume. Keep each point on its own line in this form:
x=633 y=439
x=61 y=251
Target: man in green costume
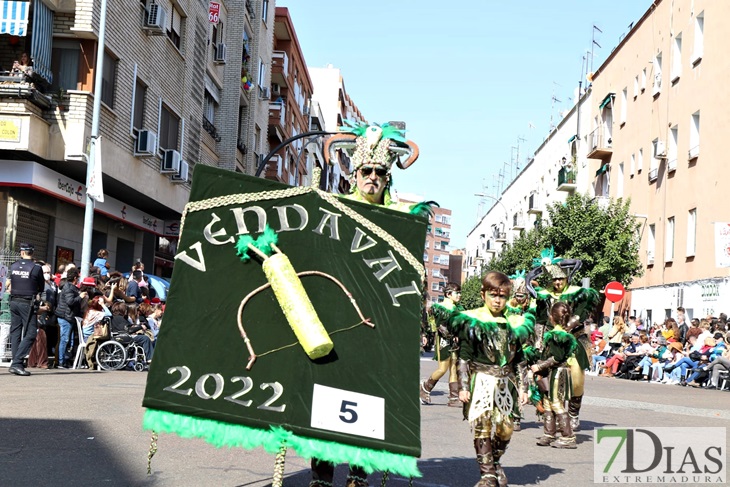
x=490 y=348
x=581 y=300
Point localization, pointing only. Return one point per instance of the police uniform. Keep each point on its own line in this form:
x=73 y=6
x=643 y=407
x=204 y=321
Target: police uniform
x=26 y=281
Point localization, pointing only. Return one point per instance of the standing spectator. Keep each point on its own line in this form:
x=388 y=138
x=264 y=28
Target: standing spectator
x=682 y=325
x=133 y=287
x=69 y=307
x=631 y=325
x=615 y=335
x=39 y=353
x=102 y=263
x=26 y=281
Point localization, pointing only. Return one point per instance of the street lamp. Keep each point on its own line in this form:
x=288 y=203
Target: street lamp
x=506 y=213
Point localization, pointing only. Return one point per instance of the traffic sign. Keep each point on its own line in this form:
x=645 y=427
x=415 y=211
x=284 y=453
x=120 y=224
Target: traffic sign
x=614 y=291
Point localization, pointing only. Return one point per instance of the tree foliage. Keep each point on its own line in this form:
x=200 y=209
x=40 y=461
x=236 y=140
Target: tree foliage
x=471 y=297
x=606 y=240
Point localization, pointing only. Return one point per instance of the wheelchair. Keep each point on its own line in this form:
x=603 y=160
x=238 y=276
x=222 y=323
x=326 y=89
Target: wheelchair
x=119 y=352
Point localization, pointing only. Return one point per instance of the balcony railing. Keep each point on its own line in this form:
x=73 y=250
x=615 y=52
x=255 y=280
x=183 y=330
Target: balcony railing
x=599 y=143
x=693 y=153
x=566 y=179
x=518 y=223
x=500 y=236
x=210 y=128
x=277 y=111
x=533 y=205
x=672 y=165
x=653 y=175
x=280 y=67
x=602 y=200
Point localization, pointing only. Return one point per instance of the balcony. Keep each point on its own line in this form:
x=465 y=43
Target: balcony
x=603 y=201
x=533 y=205
x=500 y=236
x=653 y=175
x=672 y=165
x=599 y=143
x=280 y=68
x=518 y=223
x=566 y=180
x=693 y=153
x=277 y=120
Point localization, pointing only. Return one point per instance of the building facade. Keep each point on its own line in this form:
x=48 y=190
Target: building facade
x=658 y=132
x=159 y=118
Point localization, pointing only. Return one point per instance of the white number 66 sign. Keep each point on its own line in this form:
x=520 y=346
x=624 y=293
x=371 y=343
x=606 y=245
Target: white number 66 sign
x=348 y=412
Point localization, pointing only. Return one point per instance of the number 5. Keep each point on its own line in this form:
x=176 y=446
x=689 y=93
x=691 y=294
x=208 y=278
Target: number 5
x=348 y=410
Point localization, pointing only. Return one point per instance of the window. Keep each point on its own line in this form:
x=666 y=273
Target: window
x=140 y=93
x=624 y=102
x=438 y=218
x=694 y=135
x=108 y=80
x=636 y=86
x=65 y=64
x=699 y=40
x=669 y=240
x=632 y=166
x=209 y=108
x=169 y=127
x=643 y=80
x=428 y=243
x=217 y=37
x=640 y=161
x=654 y=160
x=657 y=82
x=676 y=58
x=446 y=220
x=175 y=26
x=651 y=244
x=262 y=73
x=265 y=11
x=436 y=259
x=691 y=232
x=257 y=141
x=435 y=272
x=620 y=181
x=434 y=286
x=672 y=149
x=425 y=257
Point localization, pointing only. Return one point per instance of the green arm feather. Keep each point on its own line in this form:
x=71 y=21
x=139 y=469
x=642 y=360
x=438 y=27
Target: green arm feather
x=423 y=209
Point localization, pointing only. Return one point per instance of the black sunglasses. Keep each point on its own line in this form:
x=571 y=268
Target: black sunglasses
x=368 y=170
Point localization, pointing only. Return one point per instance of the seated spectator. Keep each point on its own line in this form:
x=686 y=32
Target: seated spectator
x=94 y=314
x=140 y=331
x=674 y=374
x=719 y=364
x=612 y=363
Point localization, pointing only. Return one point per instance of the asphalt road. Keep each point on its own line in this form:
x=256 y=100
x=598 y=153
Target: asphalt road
x=82 y=428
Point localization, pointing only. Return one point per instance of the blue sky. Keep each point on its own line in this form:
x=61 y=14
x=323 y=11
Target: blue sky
x=469 y=81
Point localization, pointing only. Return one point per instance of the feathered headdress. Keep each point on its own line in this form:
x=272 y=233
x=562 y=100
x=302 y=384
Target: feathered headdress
x=550 y=263
x=379 y=145
x=519 y=285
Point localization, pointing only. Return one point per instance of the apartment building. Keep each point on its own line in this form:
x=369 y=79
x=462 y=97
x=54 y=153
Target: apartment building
x=659 y=121
x=172 y=96
x=289 y=107
x=558 y=168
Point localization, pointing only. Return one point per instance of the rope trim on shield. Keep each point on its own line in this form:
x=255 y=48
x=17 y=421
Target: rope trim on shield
x=241 y=198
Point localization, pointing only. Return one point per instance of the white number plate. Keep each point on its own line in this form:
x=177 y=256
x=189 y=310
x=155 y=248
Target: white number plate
x=348 y=412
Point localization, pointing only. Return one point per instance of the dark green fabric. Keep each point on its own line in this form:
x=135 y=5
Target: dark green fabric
x=200 y=324
x=606 y=100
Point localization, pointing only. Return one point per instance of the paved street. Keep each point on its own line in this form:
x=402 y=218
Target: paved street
x=73 y=428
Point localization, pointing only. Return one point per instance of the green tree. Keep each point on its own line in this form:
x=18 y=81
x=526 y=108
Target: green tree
x=605 y=239
x=471 y=292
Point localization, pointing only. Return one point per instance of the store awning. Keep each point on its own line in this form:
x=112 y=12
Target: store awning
x=609 y=98
x=14 y=18
x=602 y=169
x=40 y=47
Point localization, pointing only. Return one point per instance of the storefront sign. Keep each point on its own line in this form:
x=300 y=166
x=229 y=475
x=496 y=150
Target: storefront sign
x=10 y=129
x=214 y=12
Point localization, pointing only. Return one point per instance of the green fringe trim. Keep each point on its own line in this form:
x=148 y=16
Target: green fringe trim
x=531 y=354
x=221 y=434
x=522 y=329
x=562 y=337
x=423 y=209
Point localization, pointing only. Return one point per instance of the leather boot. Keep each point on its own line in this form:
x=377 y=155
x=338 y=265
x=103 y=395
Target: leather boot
x=567 y=438
x=485 y=460
x=454 y=395
x=426 y=388
x=574 y=411
x=548 y=430
x=356 y=477
x=322 y=473
x=498 y=448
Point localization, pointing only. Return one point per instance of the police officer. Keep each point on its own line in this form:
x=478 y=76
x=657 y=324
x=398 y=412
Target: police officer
x=26 y=281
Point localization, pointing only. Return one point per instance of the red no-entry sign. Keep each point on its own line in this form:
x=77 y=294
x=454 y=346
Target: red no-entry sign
x=614 y=291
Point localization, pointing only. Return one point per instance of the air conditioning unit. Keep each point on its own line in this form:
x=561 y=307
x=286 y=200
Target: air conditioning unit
x=146 y=143
x=220 y=54
x=170 y=162
x=660 y=149
x=155 y=19
x=182 y=175
x=306 y=110
x=275 y=89
x=265 y=93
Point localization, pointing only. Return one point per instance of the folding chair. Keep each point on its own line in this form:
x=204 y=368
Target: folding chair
x=81 y=350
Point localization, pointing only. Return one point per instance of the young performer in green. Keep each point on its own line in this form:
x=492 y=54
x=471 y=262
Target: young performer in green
x=581 y=300
x=445 y=346
x=551 y=368
x=490 y=349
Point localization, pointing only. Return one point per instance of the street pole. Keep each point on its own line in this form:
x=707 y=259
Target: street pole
x=89 y=210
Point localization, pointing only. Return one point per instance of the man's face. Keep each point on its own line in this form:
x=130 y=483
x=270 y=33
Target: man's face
x=371 y=182
x=521 y=298
x=495 y=300
x=455 y=296
x=559 y=284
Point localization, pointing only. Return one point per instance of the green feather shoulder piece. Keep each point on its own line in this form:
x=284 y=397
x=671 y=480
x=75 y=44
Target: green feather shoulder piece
x=480 y=319
x=531 y=354
x=522 y=325
x=562 y=337
x=423 y=209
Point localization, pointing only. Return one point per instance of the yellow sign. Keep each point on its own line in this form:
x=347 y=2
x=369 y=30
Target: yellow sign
x=10 y=129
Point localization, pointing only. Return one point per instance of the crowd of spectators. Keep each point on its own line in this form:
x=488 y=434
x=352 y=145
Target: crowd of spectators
x=673 y=352
x=130 y=303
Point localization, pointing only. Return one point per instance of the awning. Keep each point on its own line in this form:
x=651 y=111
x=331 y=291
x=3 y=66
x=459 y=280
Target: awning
x=602 y=169
x=40 y=48
x=570 y=140
x=609 y=98
x=14 y=18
